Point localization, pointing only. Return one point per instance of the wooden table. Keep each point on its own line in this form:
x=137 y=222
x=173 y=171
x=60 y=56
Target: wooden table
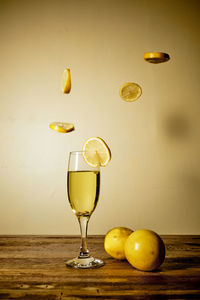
x=33 y=267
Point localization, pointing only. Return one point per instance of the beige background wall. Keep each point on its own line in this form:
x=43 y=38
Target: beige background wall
x=153 y=180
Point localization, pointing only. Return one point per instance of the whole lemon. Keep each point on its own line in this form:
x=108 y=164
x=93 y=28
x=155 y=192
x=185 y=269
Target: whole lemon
x=145 y=250
x=115 y=240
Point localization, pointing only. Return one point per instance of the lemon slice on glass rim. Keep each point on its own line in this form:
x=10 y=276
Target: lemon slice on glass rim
x=66 y=81
x=130 y=91
x=96 y=152
x=61 y=127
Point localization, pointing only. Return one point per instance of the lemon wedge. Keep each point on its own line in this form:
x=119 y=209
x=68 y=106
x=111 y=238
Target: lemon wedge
x=156 y=57
x=96 y=152
x=66 y=81
x=130 y=91
x=61 y=127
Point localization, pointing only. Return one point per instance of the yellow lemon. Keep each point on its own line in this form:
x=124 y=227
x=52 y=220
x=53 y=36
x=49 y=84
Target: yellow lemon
x=156 y=57
x=61 y=127
x=96 y=152
x=130 y=91
x=115 y=240
x=66 y=81
x=145 y=250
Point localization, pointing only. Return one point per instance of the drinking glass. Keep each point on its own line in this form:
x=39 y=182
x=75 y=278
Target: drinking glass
x=83 y=187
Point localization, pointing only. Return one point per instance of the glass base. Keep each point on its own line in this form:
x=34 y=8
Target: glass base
x=85 y=263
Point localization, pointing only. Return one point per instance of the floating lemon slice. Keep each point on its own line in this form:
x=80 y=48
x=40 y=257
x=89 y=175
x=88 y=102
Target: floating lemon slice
x=61 y=127
x=156 y=57
x=96 y=152
x=130 y=91
x=66 y=81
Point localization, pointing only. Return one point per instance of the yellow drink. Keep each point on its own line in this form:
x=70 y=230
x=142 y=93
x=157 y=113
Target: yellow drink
x=83 y=191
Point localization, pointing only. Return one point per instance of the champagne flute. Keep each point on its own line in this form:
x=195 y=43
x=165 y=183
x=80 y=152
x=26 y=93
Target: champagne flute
x=83 y=186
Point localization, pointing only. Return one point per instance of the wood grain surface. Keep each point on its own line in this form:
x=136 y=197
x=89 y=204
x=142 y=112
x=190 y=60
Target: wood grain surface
x=33 y=267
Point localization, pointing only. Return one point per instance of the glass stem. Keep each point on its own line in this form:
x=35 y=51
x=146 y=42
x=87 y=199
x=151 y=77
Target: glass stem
x=83 y=222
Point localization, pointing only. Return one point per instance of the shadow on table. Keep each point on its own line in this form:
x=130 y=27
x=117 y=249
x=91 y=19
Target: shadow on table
x=181 y=263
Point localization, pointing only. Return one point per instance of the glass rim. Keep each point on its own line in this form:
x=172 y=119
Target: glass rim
x=82 y=151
